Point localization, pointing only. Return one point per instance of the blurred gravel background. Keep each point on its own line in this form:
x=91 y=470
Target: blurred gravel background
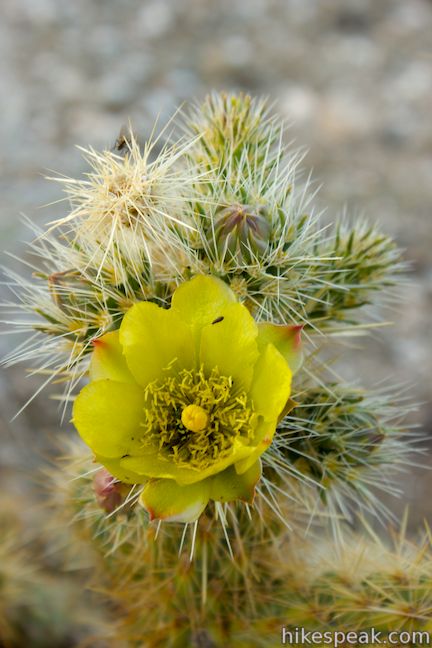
x=354 y=77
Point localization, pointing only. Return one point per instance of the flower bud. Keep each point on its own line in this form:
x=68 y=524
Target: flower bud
x=108 y=490
x=242 y=230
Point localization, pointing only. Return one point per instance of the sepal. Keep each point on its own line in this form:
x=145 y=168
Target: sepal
x=286 y=339
x=165 y=500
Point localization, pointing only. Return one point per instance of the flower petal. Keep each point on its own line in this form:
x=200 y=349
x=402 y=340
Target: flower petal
x=107 y=416
x=271 y=385
x=166 y=500
x=108 y=361
x=230 y=345
x=264 y=437
x=286 y=339
x=228 y=485
x=202 y=300
x=289 y=406
x=119 y=472
x=153 y=338
x=152 y=465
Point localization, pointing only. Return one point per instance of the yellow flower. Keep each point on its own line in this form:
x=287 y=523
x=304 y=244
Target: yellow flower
x=186 y=399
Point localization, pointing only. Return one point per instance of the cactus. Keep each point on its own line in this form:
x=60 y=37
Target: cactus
x=192 y=590
x=182 y=284
x=351 y=443
x=290 y=267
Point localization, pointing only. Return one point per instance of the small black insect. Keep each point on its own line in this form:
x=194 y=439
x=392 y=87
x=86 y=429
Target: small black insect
x=124 y=140
x=218 y=319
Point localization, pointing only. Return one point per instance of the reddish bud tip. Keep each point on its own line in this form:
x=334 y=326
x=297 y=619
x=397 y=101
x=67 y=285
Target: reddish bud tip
x=97 y=342
x=108 y=490
x=296 y=331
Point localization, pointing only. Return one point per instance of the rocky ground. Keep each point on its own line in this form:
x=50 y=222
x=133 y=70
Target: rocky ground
x=352 y=76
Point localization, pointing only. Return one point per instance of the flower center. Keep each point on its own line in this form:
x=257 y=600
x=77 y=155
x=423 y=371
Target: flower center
x=194 y=418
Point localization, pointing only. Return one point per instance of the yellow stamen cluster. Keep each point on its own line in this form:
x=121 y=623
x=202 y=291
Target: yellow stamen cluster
x=194 y=419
